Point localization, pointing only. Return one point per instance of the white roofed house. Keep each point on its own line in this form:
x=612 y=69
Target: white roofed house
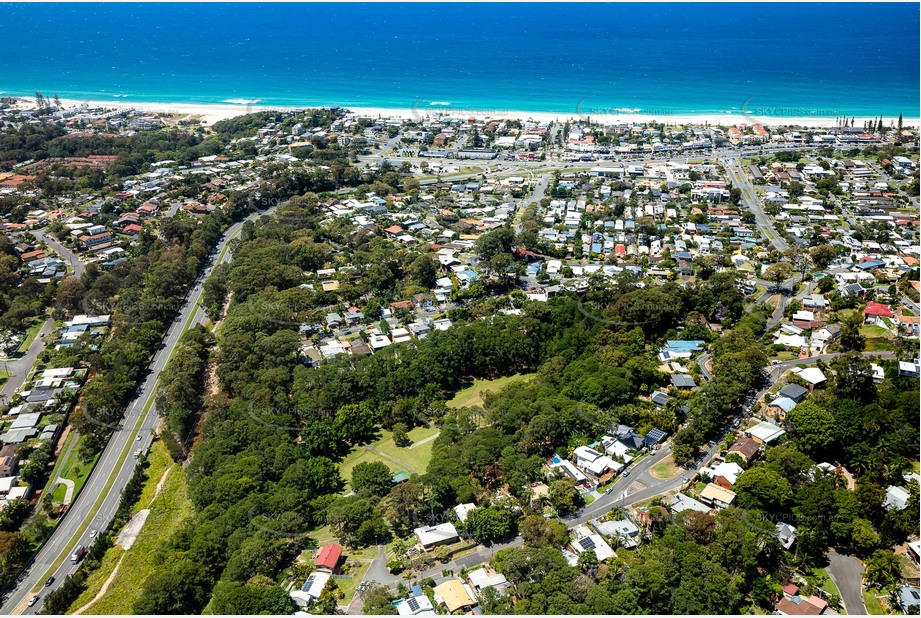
x=430 y=537
x=765 y=432
x=594 y=463
x=418 y=605
x=586 y=540
x=625 y=531
x=311 y=589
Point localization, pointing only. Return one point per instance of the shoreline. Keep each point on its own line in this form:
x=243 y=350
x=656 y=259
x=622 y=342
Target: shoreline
x=214 y=112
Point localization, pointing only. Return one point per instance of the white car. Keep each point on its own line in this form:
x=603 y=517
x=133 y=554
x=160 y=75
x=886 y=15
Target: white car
x=33 y=600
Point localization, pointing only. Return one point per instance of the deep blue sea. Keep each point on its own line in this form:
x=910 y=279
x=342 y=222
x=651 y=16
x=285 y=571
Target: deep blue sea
x=785 y=59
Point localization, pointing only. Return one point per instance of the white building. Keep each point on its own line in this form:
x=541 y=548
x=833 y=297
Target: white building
x=311 y=589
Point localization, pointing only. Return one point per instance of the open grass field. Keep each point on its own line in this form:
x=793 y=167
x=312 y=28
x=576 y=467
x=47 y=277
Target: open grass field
x=411 y=459
x=665 y=469
x=168 y=511
x=473 y=395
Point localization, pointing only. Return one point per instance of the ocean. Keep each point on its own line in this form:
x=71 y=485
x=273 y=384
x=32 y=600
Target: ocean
x=784 y=59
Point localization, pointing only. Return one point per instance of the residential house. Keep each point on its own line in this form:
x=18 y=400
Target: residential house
x=800 y=606
x=625 y=531
x=683 y=382
x=311 y=589
x=909 y=599
x=781 y=406
x=765 y=432
x=681 y=503
x=594 y=463
x=716 y=496
x=794 y=392
x=746 y=448
x=328 y=558
x=485 y=577
x=786 y=534
x=874 y=313
x=586 y=540
x=463 y=510
x=896 y=498
x=430 y=537
x=417 y=605
x=454 y=595
x=724 y=474
x=812 y=375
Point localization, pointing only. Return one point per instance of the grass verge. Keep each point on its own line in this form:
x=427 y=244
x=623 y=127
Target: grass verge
x=874 y=607
x=168 y=510
x=31 y=334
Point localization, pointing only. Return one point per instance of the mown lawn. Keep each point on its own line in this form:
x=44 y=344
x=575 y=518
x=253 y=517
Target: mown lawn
x=168 y=511
x=72 y=468
x=472 y=395
x=872 y=331
x=820 y=578
x=665 y=469
x=31 y=334
x=412 y=458
x=874 y=608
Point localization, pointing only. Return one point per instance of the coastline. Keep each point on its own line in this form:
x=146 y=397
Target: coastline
x=214 y=112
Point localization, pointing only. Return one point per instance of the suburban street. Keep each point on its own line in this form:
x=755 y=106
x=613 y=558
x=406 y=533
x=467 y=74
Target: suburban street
x=751 y=201
x=66 y=254
x=847 y=573
x=97 y=503
x=20 y=367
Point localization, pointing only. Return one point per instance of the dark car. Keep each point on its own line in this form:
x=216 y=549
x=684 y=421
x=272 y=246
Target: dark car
x=49 y=581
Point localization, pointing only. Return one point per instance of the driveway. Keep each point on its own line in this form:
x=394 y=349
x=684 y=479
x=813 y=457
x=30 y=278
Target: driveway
x=847 y=573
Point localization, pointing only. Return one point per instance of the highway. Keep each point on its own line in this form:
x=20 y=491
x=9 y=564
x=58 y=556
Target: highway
x=97 y=503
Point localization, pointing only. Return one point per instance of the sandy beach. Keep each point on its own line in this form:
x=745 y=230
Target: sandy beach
x=211 y=113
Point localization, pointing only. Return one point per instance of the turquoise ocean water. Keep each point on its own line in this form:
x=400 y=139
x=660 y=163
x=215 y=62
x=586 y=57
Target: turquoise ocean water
x=791 y=59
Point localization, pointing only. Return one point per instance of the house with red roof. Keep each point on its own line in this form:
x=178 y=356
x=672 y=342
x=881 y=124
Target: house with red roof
x=328 y=558
x=875 y=312
x=132 y=228
x=620 y=250
x=394 y=230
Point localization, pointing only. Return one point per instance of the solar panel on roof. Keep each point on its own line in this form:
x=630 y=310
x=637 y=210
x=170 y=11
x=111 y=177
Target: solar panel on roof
x=587 y=543
x=413 y=603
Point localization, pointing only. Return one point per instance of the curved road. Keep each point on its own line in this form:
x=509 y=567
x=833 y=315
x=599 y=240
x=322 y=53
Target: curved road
x=97 y=503
x=847 y=573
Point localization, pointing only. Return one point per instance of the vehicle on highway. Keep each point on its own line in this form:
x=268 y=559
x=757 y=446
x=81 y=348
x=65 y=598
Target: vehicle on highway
x=93 y=533
x=78 y=554
x=49 y=581
x=139 y=438
x=137 y=453
x=33 y=600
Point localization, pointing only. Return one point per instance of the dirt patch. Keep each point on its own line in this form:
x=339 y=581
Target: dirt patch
x=132 y=529
x=635 y=487
x=160 y=485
